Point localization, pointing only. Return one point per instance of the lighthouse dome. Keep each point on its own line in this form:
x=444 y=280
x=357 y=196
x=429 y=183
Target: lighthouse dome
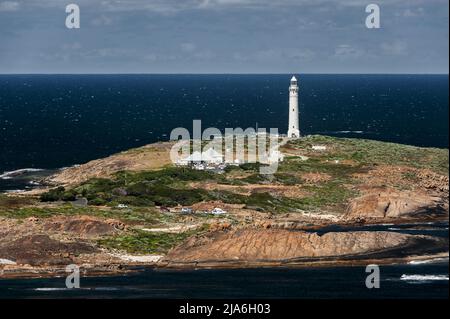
x=294 y=80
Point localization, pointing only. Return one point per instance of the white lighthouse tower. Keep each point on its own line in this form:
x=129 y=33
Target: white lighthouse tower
x=293 y=130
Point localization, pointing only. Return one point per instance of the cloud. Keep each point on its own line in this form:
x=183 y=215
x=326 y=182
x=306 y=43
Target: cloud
x=187 y=47
x=240 y=57
x=71 y=46
x=301 y=55
x=168 y=7
x=9 y=6
x=204 y=55
x=269 y=54
x=395 y=48
x=413 y=12
x=102 y=20
x=344 y=51
x=222 y=36
x=111 y=53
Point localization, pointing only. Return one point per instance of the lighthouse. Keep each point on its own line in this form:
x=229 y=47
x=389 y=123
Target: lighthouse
x=293 y=129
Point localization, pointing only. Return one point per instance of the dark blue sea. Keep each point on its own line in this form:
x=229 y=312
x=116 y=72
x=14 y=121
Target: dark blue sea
x=53 y=121
x=414 y=280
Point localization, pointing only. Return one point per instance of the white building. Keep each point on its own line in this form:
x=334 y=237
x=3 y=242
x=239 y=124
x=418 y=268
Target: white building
x=275 y=157
x=195 y=157
x=218 y=211
x=212 y=156
x=319 y=147
x=293 y=129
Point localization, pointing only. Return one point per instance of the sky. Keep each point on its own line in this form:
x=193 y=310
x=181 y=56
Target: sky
x=224 y=36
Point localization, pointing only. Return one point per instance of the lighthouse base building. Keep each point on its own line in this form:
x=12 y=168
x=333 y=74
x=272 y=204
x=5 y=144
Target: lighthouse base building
x=293 y=128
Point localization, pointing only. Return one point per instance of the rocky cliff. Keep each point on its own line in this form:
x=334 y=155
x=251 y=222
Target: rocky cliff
x=274 y=245
x=389 y=203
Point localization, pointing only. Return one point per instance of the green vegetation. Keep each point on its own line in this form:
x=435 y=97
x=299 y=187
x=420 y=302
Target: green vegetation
x=342 y=172
x=340 y=162
x=26 y=212
x=328 y=194
x=9 y=202
x=281 y=178
x=132 y=215
x=169 y=187
x=166 y=187
x=142 y=242
x=365 y=151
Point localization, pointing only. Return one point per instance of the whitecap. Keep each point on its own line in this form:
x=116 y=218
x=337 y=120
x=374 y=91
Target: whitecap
x=428 y=261
x=18 y=172
x=59 y=289
x=7 y=262
x=343 y=132
x=423 y=277
x=349 y=132
x=50 y=289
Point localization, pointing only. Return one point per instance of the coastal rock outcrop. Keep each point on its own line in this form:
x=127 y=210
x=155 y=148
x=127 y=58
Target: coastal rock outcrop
x=256 y=244
x=149 y=157
x=433 y=181
x=379 y=204
x=85 y=226
x=42 y=250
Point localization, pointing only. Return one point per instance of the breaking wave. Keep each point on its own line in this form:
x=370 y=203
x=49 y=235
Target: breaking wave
x=423 y=278
x=74 y=289
x=19 y=172
x=428 y=261
x=51 y=289
x=344 y=132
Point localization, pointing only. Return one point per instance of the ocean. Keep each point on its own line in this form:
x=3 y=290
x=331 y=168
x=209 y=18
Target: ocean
x=413 y=280
x=333 y=283
x=53 y=121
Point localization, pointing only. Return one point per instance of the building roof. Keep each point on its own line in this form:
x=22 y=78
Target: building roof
x=211 y=155
x=207 y=156
x=194 y=157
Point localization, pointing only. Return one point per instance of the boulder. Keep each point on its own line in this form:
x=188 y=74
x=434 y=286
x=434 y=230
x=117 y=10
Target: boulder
x=380 y=204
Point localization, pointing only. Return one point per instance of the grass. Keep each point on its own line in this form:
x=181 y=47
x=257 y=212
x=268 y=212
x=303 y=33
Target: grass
x=365 y=152
x=25 y=212
x=142 y=242
x=170 y=186
x=166 y=187
x=8 y=202
x=326 y=195
x=132 y=215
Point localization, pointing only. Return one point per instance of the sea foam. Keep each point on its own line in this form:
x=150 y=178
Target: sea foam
x=18 y=172
x=423 y=277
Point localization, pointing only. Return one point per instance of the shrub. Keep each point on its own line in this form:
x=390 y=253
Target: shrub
x=53 y=195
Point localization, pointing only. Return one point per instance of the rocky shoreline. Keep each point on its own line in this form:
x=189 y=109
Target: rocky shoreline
x=317 y=210
x=289 y=248
x=303 y=249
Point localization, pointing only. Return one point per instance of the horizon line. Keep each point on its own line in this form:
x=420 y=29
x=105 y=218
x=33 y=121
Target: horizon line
x=219 y=73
